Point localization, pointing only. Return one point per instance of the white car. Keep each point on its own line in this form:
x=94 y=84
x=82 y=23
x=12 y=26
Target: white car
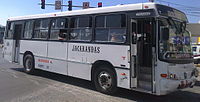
x=196 y=53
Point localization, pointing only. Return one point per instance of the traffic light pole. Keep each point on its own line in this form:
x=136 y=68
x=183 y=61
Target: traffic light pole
x=62 y=5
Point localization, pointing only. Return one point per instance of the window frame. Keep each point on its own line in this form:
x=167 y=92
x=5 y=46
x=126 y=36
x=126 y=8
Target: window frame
x=31 y=28
x=105 y=27
x=91 y=18
x=68 y=28
x=8 y=25
x=39 y=29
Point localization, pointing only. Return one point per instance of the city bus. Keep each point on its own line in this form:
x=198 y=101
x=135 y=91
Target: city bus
x=142 y=47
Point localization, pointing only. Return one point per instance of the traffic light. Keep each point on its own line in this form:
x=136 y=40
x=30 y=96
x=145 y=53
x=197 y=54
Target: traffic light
x=151 y=0
x=42 y=4
x=99 y=4
x=69 y=5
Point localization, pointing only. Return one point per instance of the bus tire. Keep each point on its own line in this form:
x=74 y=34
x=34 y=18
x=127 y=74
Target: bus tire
x=29 y=64
x=105 y=80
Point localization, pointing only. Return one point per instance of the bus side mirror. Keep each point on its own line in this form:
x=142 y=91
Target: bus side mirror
x=165 y=34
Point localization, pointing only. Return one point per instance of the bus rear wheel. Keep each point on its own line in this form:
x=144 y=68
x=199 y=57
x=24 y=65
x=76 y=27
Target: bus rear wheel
x=105 y=80
x=29 y=64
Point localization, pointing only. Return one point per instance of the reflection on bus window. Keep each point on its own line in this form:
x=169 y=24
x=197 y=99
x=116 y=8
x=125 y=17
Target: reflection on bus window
x=117 y=35
x=41 y=29
x=28 y=30
x=59 y=29
x=40 y=34
x=81 y=34
x=101 y=35
x=110 y=28
x=81 y=29
x=177 y=46
x=9 y=34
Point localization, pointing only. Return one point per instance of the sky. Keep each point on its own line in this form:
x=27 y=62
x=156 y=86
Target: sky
x=12 y=8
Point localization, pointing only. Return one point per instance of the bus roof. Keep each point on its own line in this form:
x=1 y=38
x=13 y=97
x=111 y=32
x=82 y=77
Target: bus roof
x=117 y=8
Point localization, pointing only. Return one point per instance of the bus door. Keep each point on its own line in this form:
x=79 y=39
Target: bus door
x=133 y=40
x=141 y=53
x=18 y=30
x=8 y=42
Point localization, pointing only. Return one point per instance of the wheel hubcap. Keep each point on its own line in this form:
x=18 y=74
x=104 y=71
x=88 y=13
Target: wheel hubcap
x=105 y=80
x=28 y=65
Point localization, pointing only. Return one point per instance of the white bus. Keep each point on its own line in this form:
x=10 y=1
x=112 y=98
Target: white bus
x=140 y=47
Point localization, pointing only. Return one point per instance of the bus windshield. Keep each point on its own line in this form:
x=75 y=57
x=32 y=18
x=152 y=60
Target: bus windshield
x=174 y=41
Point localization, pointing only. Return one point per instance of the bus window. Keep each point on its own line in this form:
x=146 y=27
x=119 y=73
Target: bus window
x=117 y=35
x=100 y=21
x=28 y=29
x=9 y=34
x=117 y=21
x=81 y=29
x=41 y=29
x=194 y=49
x=101 y=35
x=59 y=29
x=110 y=28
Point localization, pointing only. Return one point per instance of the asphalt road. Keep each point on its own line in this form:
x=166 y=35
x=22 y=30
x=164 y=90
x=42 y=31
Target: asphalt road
x=17 y=86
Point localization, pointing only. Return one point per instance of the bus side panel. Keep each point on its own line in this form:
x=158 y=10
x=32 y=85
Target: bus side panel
x=123 y=80
x=43 y=63
x=38 y=48
x=8 y=49
x=82 y=56
x=51 y=65
x=89 y=53
x=57 y=54
x=56 y=65
x=79 y=70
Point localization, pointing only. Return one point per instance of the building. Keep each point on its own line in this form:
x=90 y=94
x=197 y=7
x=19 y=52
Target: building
x=2 y=30
x=194 y=28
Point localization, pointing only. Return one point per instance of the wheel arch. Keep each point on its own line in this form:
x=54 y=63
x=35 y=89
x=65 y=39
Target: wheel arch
x=100 y=63
x=28 y=53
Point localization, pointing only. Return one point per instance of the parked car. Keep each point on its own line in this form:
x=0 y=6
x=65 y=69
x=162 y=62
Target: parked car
x=196 y=53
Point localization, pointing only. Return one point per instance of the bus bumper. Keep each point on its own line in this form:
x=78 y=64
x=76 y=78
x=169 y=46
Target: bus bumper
x=168 y=85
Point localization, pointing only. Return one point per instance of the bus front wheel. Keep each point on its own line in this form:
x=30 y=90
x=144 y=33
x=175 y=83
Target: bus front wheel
x=29 y=64
x=105 y=80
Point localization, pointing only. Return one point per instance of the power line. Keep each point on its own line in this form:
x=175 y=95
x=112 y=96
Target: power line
x=179 y=4
x=191 y=11
x=192 y=15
